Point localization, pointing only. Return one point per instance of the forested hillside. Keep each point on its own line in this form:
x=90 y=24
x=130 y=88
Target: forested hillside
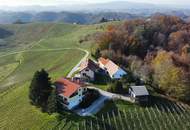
x=67 y=17
x=156 y=50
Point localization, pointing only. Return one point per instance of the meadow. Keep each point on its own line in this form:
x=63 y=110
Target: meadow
x=20 y=60
x=17 y=69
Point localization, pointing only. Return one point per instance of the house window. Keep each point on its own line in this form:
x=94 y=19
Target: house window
x=87 y=70
x=74 y=94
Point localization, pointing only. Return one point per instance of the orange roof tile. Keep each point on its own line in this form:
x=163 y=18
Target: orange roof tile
x=66 y=87
x=103 y=60
x=89 y=64
x=111 y=67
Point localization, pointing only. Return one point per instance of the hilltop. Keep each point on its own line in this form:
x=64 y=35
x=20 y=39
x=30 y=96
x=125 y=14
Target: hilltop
x=53 y=46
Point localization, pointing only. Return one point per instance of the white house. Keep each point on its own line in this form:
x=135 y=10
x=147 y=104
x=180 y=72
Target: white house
x=139 y=93
x=114 y=71
x=88 y=68
x=70 y=93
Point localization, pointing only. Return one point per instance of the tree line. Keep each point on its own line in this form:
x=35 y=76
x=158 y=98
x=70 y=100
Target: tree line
x=156 y=50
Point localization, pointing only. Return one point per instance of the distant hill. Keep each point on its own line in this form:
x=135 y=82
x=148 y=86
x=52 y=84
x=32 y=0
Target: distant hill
x=68 y=17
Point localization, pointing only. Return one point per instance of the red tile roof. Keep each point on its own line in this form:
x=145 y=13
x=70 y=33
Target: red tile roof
x=103 y=60
x=111 y=67
x=89 y=64
x=66 y=87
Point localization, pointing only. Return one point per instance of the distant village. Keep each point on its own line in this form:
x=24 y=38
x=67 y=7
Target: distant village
x=79 y=95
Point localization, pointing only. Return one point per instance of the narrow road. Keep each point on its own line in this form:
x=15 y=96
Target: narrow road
x=94 y=108
x=77 y=66
x=110 y=95
x=100 y=102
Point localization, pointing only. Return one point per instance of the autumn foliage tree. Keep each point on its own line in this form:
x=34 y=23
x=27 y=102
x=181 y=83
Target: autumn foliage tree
x=161 y=45
x=167 y=76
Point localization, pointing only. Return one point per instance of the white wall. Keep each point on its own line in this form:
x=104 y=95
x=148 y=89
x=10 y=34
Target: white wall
x=101 y=65
x=74 y=101
x=89 y=73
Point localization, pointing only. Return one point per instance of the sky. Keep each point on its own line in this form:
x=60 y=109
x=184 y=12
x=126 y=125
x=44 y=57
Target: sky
x=66 y=2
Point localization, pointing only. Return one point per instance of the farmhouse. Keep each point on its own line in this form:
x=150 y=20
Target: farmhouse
x=70 y=93
x=139 y=93
x=88 y=68
x=114 y=71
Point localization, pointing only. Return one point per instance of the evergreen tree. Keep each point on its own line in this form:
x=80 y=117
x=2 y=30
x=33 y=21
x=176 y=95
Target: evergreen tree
x=40 y=89
x=103 y=20
x=52 y=102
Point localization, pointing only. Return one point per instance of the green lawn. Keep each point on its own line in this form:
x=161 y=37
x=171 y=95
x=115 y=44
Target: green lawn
x=58 y=63
x=15 y=110
x=17 y=113
x=6 y=70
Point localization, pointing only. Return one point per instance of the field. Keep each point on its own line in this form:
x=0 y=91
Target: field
x=53 y=46
x=163 y=115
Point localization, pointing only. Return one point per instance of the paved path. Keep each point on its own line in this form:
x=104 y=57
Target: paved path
x=100 y=102
x=110 y=95
x=77 y=66
x=94 y=108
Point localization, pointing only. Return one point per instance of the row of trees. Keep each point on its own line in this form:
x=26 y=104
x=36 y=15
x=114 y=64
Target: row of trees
x=41 y=93
x=156 y=50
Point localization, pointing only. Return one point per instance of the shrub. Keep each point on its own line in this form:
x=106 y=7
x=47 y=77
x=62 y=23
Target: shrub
x=116 y=87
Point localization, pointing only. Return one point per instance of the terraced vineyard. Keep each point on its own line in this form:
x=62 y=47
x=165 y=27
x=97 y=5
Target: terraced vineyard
x=167 y=116
x=17 y=69
x=18 y=62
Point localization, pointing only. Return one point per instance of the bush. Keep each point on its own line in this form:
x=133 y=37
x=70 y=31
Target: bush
x=116 y=87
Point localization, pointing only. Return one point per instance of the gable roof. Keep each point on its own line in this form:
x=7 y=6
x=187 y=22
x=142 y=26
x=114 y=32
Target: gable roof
x=111 y=67
x=140 y=90
x=89 y=64
x=66 y=87
x=103 y=60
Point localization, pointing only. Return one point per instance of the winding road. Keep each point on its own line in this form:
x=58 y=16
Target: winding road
x=77 y=66
x=98 y=104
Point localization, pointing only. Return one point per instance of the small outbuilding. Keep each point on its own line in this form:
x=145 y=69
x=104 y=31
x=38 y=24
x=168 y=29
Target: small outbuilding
x=139 y=93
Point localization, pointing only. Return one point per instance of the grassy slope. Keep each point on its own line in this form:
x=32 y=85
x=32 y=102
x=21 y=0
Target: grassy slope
x=15 y=110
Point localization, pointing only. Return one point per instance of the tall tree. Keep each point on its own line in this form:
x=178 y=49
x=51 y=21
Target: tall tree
x=52 y=104
x=167 y=76
x=40 y=89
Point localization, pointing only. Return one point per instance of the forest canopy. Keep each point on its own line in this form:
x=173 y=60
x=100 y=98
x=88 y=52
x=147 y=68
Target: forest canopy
x=155 y=49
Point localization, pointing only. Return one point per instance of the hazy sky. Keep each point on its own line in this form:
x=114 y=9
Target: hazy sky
x=58 y=2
